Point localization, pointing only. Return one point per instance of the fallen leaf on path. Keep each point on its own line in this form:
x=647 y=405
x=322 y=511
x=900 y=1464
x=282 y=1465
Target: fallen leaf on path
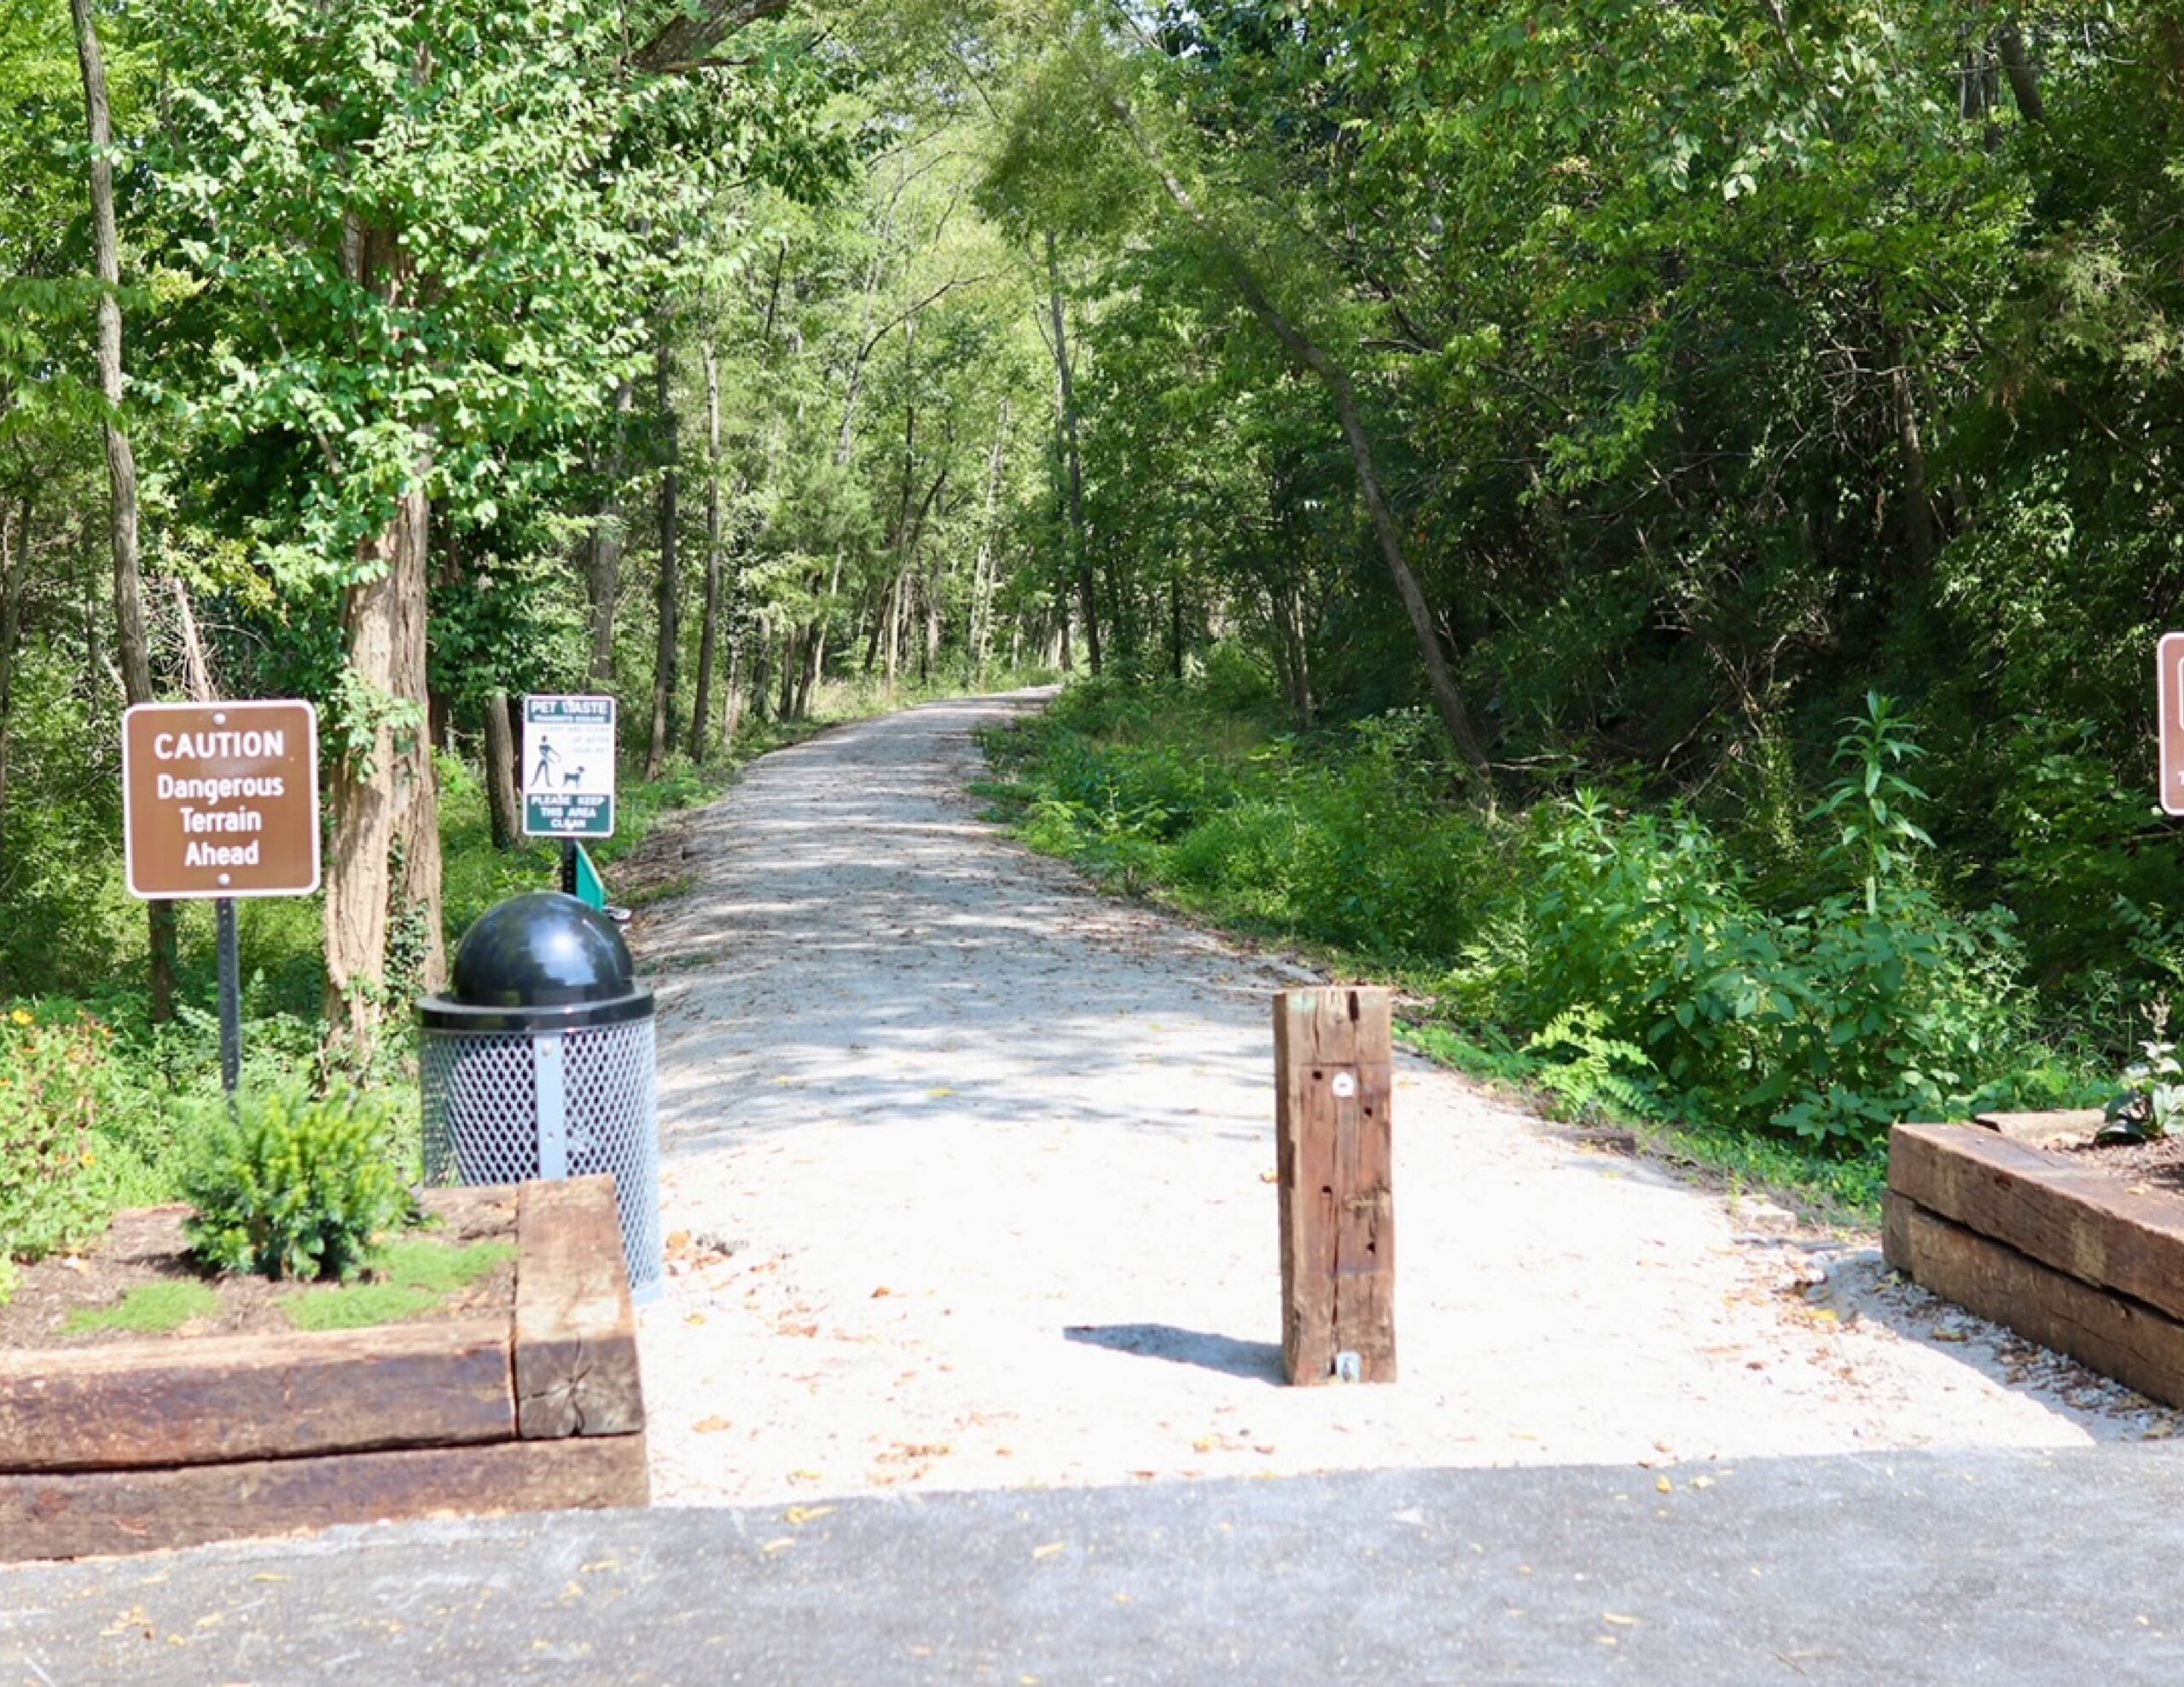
x=1665 y=1486
x=882 y=1292
x=801 y=1515
x=1618 y=1619
x=711 y=1426
x=781 y=1545
x=1048 y=1549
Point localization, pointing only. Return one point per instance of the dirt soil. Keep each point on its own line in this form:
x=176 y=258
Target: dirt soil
x=145 y=1245
x=2159 y=1164
x=974 y=1171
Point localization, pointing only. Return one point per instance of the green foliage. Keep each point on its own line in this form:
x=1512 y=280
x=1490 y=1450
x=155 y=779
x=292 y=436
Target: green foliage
x=1621 y=959
x=1588 y=1072
x=296 y=1186
x=56 y=1080
x=150 y=1309
x=2151 y=1102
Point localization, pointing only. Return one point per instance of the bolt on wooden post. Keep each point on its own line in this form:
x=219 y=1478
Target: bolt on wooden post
x=1333 y=1062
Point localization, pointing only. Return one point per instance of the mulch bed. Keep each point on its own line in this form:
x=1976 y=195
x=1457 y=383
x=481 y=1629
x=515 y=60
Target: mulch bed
x=2159 y=1164
x=145 y=1245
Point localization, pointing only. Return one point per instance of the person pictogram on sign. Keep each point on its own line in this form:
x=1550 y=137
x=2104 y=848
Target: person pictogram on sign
x=540 y=778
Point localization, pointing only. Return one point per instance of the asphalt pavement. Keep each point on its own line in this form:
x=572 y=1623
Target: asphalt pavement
x=1995 y=1566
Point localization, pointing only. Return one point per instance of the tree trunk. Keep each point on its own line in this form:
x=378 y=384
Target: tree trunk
x=372 y=795
x=196 y=670
x=1309 y=355
x=1313 y=358
x=792 y=663
x=503 y=748
x=762 y=677
x=815 y=643
x=13 y=558
x=732 y=705
x=418 y=905
x=709 y=635
x=1087 y=598
x=603 y=547
x=891 y=628
x=982 y=571
x=1918 y=507
x=2024 y=76
x=120 y=454
x=668 y=657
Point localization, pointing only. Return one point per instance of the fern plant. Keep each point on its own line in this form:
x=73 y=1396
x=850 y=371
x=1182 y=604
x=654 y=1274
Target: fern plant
x=1597 y=1073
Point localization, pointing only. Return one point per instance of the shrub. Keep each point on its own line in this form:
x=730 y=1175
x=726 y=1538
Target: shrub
x=54 y=1080
x=294 y=1186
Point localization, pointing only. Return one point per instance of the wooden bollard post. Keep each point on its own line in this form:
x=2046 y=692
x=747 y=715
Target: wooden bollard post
x=1333 y=1063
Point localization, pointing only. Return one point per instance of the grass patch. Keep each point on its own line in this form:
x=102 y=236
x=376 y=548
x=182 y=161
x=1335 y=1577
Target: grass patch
x=152 y=1309
x=439 y=1268
x=357 y=1307
x=408 y=1277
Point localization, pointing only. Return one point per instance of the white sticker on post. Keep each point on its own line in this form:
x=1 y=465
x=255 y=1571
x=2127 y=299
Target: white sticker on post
x=1345 y=1085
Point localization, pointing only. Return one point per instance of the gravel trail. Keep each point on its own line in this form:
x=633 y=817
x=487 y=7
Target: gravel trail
x=968 y=1178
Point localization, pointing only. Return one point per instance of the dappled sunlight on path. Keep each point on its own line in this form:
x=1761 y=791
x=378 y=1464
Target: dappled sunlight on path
x=973 y=1167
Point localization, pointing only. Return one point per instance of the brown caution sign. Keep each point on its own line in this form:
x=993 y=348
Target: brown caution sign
x=220 y=799
x=2169 y=702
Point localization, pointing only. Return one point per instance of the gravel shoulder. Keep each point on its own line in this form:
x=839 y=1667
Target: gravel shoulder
x=968 y=1181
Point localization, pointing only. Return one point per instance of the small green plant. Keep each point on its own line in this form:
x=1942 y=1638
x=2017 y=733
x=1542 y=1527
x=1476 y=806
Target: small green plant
x=54 y=1080
x=150 y=1309
x=2151 y=1102
x=292 y=1185
x=1588 y=1071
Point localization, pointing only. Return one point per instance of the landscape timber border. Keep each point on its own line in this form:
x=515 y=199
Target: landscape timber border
x=162 y=1442
x=2080 y=1259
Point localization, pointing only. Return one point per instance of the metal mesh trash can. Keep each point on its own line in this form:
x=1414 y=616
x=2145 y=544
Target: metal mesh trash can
x=540 y=1063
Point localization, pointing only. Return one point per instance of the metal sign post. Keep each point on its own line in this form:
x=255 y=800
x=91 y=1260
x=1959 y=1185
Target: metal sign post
x=230 y=945
x=219 y=800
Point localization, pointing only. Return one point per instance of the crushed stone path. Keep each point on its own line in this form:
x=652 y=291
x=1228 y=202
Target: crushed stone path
x=967 y=1179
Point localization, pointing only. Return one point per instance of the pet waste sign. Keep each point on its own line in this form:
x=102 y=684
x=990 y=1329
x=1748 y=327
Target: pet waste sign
x=568 y=766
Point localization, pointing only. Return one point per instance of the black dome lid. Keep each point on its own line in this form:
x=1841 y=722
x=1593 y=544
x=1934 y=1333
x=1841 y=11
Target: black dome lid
x=542 y=950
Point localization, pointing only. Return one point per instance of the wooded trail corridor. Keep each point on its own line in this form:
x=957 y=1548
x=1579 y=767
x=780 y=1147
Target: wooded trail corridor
x=971 y=1171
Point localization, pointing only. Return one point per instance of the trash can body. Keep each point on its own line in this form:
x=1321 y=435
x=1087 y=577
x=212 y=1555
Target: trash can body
x=540 y=1063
